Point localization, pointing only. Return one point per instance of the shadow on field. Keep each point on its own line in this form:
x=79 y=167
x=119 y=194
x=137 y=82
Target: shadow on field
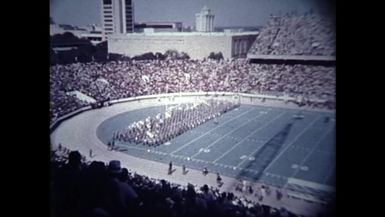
x=265 y=155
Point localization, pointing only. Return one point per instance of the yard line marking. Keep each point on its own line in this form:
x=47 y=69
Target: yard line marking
x=282 y=113
x=247 y=137
x=220 y=125
x=220 y=138
x=309 y=149
x=295 y=139
x=309 y=154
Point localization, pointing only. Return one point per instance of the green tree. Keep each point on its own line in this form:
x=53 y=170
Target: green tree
x=160 y=56
x=218 y=56
x=212 y=55
x=184 y=56
x=171 y=54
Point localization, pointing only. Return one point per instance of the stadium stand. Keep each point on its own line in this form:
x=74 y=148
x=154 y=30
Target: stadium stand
x=115 y=80
x=94 y=188
x=306 y=35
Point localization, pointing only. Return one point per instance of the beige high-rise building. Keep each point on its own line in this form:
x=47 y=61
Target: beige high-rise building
x=117 y=16
x=204 y=21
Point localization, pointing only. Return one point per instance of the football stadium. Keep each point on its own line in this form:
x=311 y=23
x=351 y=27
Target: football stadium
x=173 y=136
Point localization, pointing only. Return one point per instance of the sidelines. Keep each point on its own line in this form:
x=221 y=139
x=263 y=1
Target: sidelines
x=308 y=155
x=153 y=152
x=284 y=112
x=184 y=157
x=220 y=125
x=248 y=121
x=138 y=148
x=256 y=130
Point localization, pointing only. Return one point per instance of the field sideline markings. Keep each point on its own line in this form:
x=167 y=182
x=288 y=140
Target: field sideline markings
x=295 y=139
x=180 y=148
x=309 y=149
x=157 y=152
x=239 y=164
x=232 y=131
x=309 y=154
x=247 y=137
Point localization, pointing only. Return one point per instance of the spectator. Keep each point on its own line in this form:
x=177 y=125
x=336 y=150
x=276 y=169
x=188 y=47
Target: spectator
x=205 y=171
x=115 y=80
x=170 y=167
x=219 y=180
x=113 y=191
x=308 y=34
x=184 y=171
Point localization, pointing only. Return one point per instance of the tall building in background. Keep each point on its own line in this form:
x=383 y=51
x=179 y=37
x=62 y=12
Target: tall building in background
x=204 y=21
x=117 y=16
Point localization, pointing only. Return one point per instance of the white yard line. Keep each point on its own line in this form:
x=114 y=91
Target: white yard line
x=295 y=139
x=255 y=151
x=308 y=155
x=309 y=149
x=180 y=148
x=242 y=125
x=256 y=130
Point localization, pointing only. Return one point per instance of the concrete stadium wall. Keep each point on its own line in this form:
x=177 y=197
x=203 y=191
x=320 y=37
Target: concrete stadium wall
x=197 y=47
x=241 y=45
x=57 y=122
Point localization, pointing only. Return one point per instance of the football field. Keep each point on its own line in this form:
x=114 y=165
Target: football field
x=256 y=143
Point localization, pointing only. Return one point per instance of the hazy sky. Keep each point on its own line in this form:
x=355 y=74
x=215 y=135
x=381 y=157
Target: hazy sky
x=227 y=12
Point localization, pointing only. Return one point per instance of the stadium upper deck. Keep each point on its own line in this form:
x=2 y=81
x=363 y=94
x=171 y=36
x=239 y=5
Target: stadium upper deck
x=305 y=35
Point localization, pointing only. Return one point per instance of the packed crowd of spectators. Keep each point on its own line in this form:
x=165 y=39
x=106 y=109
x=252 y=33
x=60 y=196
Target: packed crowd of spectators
x=157 y=130
x=90 y=189
x=64 y=103
x=307 y=34
x=115 y=80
